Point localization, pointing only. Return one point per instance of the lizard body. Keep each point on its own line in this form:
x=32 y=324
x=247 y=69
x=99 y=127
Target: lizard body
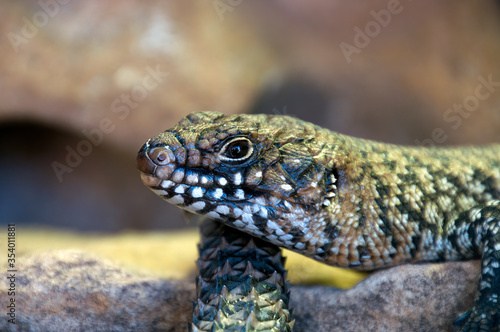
x=343 y=201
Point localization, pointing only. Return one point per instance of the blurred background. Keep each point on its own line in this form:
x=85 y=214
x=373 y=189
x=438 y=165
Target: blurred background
x=83 y=84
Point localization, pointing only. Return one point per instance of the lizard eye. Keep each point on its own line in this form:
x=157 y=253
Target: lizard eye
x=237 y=149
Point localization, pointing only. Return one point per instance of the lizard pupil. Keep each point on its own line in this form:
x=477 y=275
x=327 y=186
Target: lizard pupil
x=238 y=150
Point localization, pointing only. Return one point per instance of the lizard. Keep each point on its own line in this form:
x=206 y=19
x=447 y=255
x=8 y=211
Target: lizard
x=340 y=200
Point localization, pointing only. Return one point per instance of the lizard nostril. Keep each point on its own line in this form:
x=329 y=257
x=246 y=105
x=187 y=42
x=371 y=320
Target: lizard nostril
x=161 y=156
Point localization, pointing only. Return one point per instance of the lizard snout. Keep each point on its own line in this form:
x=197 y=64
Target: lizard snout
x=158 y=161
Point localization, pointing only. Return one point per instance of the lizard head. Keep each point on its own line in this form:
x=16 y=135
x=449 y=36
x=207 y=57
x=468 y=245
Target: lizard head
x=258 y=173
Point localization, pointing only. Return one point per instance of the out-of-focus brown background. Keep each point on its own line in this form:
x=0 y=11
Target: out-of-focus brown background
x=84 y=83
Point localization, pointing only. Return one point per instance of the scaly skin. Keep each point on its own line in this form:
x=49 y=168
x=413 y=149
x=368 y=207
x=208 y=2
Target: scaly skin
x=241 y=286
x=339 y=200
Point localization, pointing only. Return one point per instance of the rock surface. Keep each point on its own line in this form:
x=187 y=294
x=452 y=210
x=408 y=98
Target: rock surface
x=72 y=290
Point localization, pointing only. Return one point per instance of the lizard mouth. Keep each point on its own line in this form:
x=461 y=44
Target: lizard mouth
x=196 y=189
x=223 y=196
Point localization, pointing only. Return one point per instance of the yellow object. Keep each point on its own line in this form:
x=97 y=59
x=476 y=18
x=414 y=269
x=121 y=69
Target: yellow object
x=170 y=255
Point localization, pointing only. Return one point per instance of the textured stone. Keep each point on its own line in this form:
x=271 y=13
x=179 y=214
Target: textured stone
x=71 y=290
x=170 y=58
x=75 y=291
x=423 y=297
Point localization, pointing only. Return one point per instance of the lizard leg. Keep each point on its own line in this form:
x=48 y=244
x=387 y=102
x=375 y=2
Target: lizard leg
x=483 y=231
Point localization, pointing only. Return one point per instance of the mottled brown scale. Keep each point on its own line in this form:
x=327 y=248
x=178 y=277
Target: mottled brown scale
x=180 y=155
x=213 y=141
x=209 y=162
x=222 y=136
x=253 y=176
x=194 y=158
x=204 y=144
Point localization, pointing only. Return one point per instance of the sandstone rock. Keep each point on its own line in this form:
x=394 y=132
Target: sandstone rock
x=72 y=290
x=424 y=297
x=74 y=64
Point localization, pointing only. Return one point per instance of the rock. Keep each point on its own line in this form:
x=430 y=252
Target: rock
x=75 y=291
x=72 y=290
x=423 y=297
x=142 y=66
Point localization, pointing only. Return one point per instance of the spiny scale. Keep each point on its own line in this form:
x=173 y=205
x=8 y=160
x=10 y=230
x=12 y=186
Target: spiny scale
x=241 y=286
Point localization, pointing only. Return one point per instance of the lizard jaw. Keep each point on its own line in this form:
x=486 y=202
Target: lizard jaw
x=236 y=207
x=198 y=191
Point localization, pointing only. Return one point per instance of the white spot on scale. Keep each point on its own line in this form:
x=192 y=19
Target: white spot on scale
x=167 y=184
x=300 y=246
x=286 y=187
x=238 y=179
x=250 y=226
x=279 y=232
x=196 y=206
x=160 y=192
x=192 y=178
x=204 y=180
x=197 y=192
x=218 y=193
x=260 y=201
x=247 y=218
x=248 y=209
x=258 y=174
x=213 y=214
x=222 y=181
x=237 y=212
x=178 y=176
x=239 y=193
x=484 y=285
x=239 y=223
x=307 y=236
x=181 y=189
x=286 y=237
x=222 y=209
x=263 y=212
x=177 y=199
x=272 y=225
